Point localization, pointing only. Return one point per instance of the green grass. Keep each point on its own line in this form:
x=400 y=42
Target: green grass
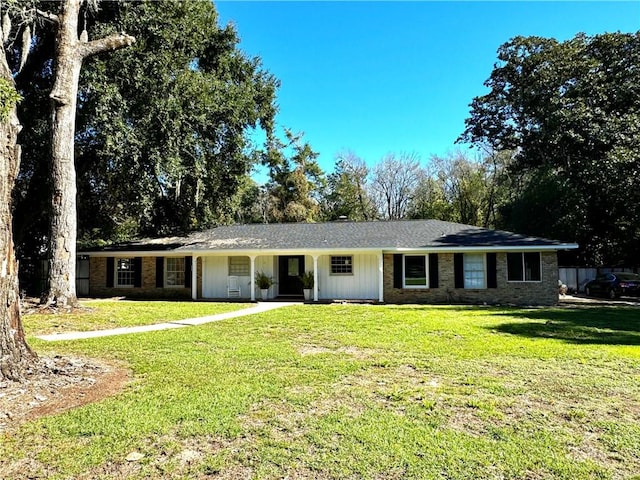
x=107 y=314
x=358 y=392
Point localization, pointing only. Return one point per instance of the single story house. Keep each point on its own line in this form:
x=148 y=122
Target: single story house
x=408 y=261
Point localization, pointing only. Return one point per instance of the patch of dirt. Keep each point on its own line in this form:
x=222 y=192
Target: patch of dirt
x=360 y=353
x=57 y=384
x=31 y=305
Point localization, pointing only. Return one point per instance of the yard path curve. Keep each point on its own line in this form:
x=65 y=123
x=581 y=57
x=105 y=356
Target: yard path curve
x=187 y=322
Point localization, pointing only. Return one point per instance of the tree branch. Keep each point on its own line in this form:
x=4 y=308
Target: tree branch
x=48 y=15
x=112 y=42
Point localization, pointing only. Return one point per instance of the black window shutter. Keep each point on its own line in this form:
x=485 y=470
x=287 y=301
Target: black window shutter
x=159 y=272
x=397 y=270
x=188 y=262
x=111 y=264
x=137 y=272
x=433 y=270
x=458 y=270
x=492 y=272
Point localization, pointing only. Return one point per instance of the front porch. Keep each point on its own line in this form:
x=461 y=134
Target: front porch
x=353 y=276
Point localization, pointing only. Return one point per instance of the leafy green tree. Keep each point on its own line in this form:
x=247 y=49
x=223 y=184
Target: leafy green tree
x=296 y=180
x=347 y=194
x=429 y=199
x=570 y=110
x=457 y=188
x=251 y=203
x=465 y=185
x=161 y=127
x=165 y=142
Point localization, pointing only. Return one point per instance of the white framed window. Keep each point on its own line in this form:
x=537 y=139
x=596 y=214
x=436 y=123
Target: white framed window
x=125 y=272
x=474 y=270
x=174 y=272
x=342 y=265
x=414 y=271
x=239 y=266
x=524 y=267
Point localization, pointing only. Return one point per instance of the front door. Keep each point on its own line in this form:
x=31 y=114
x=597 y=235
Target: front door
x=290 y=269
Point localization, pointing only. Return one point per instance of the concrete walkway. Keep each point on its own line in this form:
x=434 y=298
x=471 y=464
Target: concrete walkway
x=187 y=322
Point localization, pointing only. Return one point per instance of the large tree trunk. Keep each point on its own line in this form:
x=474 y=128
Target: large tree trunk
x=62 y=243
x=15 y=354
x=71 y=50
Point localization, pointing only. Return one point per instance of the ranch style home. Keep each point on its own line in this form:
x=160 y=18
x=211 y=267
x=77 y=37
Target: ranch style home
x=412 y=261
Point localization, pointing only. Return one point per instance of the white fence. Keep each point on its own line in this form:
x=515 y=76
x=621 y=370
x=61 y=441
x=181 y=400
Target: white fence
x=576 y=277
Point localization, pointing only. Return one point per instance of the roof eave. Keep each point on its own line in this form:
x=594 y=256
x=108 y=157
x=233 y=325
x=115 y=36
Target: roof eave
x=487 y=248
x=311 y=251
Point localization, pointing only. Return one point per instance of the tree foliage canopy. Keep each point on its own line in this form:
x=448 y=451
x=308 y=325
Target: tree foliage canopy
x=164 y=139
x=347 y=194
x=162 y=128
x=296 y=181
x=571 y=112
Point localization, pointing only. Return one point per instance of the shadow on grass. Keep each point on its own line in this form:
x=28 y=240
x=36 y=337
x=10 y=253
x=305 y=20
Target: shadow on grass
x=592 y=325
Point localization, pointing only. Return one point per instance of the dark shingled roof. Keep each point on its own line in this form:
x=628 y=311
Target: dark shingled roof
x=391 y=235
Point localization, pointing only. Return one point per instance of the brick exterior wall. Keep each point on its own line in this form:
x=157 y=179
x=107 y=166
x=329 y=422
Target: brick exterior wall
x=544 y=292
x=98 y=282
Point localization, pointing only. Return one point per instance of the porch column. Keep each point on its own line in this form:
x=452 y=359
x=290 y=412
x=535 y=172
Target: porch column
x=315 y=278
x=253 y=278
x=194 y=277
x=380 y=277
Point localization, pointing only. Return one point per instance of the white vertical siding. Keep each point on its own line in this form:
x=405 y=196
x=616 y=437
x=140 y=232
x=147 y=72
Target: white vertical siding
x=265 y=264
x=362 y=285
x=216 y=270
x=214 y=278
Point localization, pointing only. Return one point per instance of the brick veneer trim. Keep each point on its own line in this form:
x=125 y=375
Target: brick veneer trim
x=544 y=292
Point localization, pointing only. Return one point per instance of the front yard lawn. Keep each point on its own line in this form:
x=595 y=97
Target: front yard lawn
x=107 y=314
x=357 y=392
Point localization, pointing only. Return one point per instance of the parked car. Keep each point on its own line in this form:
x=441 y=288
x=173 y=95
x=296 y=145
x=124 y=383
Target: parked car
x=614 y=285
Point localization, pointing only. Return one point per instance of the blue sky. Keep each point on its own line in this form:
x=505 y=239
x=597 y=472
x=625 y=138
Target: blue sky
x=380 y=77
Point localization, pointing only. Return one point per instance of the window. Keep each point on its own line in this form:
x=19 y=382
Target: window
x=342 y=265
x=239 y=266
x=524 y=267
x=474 y=271
x=293 y=267
x=415 y=271
x=125 y=272
x=174 y=276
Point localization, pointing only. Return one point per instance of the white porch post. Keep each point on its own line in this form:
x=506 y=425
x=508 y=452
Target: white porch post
x=380 y=277
x=315 y=278
x=253 y=278
x=194 y=277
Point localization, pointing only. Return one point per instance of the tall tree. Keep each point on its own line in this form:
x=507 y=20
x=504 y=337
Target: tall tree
x=15 y=354
x=71 y=49
x=179 y=148
x=465 y=185
x=347 y=194
x=429 y=198
x=296 y=180
x=571 y=112
x=162 y=142
x=394 y=182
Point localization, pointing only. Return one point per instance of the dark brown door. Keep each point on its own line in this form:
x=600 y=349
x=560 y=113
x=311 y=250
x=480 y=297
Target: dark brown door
x=290 y=269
